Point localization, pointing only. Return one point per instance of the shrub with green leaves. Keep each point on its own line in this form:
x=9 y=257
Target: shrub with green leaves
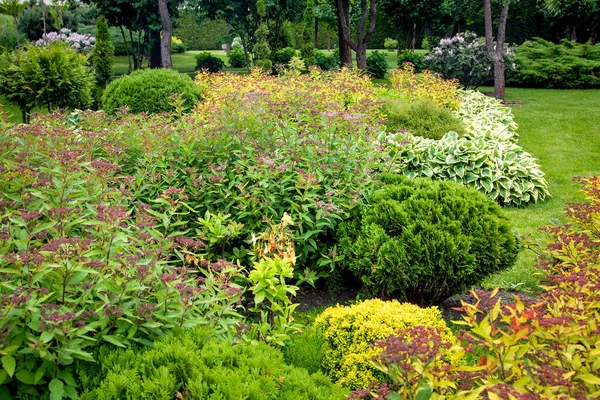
x=327 y=62
x=237 y=57
x=390 y=44
x=423 y=118
x=566 y=65
x=103 y=52
x=424 y=241
x=196 y=365
x=53 y=76
x=150 y=91
x=377 y=65
x=487 y=158
x=207 y=61
x=283 y=56
x=412 y=57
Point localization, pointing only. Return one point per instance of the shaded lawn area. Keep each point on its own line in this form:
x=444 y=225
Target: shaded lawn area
x=562 y=129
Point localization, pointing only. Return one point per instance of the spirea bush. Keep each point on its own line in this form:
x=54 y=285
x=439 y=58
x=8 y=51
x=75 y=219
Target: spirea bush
x=422 y=118
x=377 y=65
x=84 y=260
x=423 y=241
x=464 y=57
x=564 y=65
x=195 y=364
x=487 y=158
x=519 y=349
x=150 y=91
x=80 y=43
x=351 y=331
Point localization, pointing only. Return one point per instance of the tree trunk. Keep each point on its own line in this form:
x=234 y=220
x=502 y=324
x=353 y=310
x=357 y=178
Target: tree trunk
x=316 y=38
x=362 y=37
x=155 y=49
x=496 y=52
x=343 y=11
x=126 y=47
x=167 y=33
x=328 y=40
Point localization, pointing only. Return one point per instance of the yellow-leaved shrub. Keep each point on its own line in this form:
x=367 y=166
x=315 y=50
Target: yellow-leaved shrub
x=351 y=331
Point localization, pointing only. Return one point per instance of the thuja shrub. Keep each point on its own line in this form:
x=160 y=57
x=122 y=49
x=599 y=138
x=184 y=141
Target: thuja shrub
x=351 y=331
x=84 y=262
x=423 y=118
x=548 y=349
x=424 y=241
x=150 y=91
x=196 y=365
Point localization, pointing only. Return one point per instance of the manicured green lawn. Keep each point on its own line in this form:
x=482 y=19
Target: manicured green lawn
x=562 y=129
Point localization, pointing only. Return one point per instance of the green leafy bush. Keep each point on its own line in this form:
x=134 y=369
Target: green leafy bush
x=412 y=57
x=487 y=158
x=304 y=350
x=207 y=61
x=350 y=332
x=54 y=76
x=390 y=44
x=307 y=53
x=150 y=91
x=377 y=64
x=327 y=62
x=283 y=56
x=195 y=365
x=237 y=57
x=199 y=33
x=566 y=65
x=178 y=48
x=424 y=241
x=423 y=118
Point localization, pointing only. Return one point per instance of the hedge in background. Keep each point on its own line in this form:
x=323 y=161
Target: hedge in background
x=424 y=241
x=150 y=91
x=204 y=35
x=195 y=365
x=350 y=332
x=566 y=65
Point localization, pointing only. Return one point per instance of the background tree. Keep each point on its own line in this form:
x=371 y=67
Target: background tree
x=103 y=52
x=167 y=33
x=363 y=33
x=13 y=8
x=496 y=50
x=574 y=13
x=411 y=16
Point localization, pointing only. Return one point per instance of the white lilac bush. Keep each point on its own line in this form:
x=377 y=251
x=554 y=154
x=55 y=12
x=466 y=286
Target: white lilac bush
x=464 y=57
x=488 y=158
x=81 y=43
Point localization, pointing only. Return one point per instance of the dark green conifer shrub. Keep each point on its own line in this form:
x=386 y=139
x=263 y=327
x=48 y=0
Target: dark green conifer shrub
x=237 y=58
x=195 y=365
x=424 y=118
x=150 y=91
x=424 y=241
x=103 y=52
x=377 y=65
x=283 y=56
x=205 y=60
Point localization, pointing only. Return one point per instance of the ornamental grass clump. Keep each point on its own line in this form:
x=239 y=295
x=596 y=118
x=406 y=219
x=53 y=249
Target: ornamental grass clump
x=350 y=333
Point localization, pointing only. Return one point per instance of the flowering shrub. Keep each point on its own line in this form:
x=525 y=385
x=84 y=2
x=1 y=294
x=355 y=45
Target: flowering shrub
x=81 y=43
x=350 y=333
x=487 y=158
x=464 y=57
x=424 y=241
x=548 y=349
x=83 y=261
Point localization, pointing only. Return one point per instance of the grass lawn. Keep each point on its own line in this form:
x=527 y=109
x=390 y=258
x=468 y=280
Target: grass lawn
x=562 y=129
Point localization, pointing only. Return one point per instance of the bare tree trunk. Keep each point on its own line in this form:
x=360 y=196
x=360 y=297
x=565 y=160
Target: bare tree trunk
x=343 y=11
x=126 y=47
x=362 y=37
x=155 y=49
x=328 y=40
x=167 y=33
x=496 y=52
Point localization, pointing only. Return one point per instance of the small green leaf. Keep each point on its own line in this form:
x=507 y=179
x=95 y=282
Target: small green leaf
x=26 y=377
x=9 y=364
x=113 y=340
x=57 y=389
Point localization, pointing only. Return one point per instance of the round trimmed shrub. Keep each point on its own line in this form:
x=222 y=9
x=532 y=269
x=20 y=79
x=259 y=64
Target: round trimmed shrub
x=377 y=65
x=283 y=56
x=150 y=91
x=237 y=58
x=350 y=331
x=207 y=61
x=423 y=241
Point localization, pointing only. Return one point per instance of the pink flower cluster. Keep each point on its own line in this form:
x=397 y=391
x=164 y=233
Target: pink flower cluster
x=81 y=43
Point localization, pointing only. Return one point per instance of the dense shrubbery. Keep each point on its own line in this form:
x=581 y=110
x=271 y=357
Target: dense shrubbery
x=350 y=332
x=377 y=65
x=196 y=365
x=206 y=34
x=566 y=65
x=207 y=61
x=237 y=57
x=150 y=91
x=487 y=158
x=423 y=118
x=544 y=349
x=327 y=62
x=283 y=56
x=54 y=76
x=424 y=241
x=412 y=57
